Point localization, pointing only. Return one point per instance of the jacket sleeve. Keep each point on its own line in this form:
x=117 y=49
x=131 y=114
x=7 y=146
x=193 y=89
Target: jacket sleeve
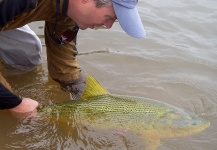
x=62 y=63
x=8 y=99
x=9 y=9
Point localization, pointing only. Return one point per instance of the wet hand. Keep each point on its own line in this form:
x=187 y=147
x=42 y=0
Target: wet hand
x=75 y=87
x=25 y=108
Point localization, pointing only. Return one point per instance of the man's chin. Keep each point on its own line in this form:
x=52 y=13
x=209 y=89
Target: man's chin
x=82 y=27
x=85 y=27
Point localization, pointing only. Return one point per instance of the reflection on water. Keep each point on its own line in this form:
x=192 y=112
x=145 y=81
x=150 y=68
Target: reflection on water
x=44 y=133
x=176 y=63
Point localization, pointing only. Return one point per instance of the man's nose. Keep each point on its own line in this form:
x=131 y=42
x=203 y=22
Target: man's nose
x=109 y=23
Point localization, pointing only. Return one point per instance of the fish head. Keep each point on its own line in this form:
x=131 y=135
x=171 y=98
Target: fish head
x=178 y=122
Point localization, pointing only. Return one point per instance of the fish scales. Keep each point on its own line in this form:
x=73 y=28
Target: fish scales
x=152 y=119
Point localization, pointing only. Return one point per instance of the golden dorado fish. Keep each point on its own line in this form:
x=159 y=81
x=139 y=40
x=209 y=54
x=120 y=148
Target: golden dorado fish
x=146 y=117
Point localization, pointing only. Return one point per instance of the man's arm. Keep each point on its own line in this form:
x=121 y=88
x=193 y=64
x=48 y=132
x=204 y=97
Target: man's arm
x=10 y=101
x=12 y=8
x=62 y=63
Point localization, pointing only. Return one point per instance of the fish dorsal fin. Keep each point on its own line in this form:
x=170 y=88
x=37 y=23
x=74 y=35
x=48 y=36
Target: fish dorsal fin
x=93 y=88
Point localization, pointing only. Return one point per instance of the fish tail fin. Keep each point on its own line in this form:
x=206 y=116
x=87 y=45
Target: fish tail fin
x=93 y=88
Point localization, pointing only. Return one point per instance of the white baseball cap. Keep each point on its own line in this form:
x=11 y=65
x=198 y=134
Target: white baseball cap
x=128 y=17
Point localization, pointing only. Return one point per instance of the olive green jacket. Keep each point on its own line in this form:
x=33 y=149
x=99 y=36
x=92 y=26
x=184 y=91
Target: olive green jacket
x=62 y=64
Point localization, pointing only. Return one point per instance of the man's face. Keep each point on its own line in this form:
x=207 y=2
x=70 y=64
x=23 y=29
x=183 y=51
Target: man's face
x=87 y=15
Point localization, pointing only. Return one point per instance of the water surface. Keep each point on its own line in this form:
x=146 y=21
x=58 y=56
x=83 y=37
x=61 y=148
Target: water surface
x=175 y=63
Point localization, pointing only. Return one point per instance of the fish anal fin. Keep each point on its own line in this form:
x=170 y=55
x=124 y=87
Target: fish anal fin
x=150 y=144
x=93 y=88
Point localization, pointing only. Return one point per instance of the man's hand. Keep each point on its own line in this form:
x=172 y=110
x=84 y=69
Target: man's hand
x=74 y=87
x=26 y=106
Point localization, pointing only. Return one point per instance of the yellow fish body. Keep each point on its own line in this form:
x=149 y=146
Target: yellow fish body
x=149 y=118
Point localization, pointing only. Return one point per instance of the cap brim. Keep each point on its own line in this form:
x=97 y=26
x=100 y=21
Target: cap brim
x=129 y=20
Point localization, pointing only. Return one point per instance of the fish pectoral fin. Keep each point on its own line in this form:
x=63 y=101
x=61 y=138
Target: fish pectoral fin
x=66 y=128
x=93 y=88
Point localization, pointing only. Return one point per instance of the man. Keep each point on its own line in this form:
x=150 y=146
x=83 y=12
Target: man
x=62 y=19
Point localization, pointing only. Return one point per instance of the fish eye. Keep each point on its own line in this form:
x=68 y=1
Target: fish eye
x=194 y=123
